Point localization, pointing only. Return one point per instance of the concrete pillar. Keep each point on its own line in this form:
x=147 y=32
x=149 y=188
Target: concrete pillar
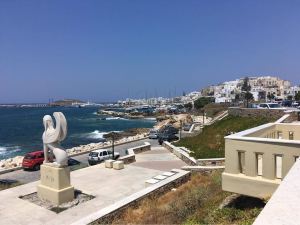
x=231 y=158
x=287 y=163
x=268 y=166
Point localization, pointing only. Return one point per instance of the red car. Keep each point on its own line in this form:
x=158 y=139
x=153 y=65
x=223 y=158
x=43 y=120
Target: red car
x=33 y=160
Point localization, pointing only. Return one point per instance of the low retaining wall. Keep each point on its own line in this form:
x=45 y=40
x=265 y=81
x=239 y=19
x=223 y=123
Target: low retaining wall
x=127 y=159
x=184 y=156
x=104 y=146
x=252 y=112
x=211 y=162
x=202 y=168
x=106 y=215
x=130 y=158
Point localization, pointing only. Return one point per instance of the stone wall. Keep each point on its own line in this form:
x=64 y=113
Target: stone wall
x=211 y=162
x=184 y=156
x=252 y=112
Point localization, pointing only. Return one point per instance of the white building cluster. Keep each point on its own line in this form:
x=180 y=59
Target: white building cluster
x=262 y=88
x=188 y=98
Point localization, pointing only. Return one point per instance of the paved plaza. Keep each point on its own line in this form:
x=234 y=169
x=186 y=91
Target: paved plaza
x=107 y=185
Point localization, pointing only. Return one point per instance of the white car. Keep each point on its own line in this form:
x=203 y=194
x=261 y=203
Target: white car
x=270 y=106
x=101 y=155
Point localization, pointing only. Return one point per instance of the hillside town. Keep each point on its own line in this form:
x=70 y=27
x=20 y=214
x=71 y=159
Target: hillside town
x=263 y=88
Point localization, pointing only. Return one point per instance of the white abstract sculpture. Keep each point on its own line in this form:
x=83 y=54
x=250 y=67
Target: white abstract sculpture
x=52 y=138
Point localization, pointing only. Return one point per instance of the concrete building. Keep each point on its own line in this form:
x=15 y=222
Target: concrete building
x=259 y=158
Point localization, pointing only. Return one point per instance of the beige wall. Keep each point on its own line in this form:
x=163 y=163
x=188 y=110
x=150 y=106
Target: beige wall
x=286 y=128
x=272 y=131
x=249 y=183
x=262 y=132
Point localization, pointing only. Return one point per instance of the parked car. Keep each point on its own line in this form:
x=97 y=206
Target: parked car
x=153 y=134
x=166 y=136
x=270 y=106
x=100 y=155
x=287 y=103
x=187 y=127
x=169 y=129
x=33 y=160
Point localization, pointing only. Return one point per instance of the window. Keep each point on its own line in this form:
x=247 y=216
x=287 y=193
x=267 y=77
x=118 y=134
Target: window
x=241 y=156
x=104 y=153
x=259 y=164
x=296 y=157
x=278 y=166
x=279 y=134
x=291 y=135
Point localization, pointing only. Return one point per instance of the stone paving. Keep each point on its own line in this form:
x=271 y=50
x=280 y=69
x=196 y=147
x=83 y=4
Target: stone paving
x=107 y=185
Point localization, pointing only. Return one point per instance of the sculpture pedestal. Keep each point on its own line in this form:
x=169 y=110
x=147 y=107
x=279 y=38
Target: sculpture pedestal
x=55 y=185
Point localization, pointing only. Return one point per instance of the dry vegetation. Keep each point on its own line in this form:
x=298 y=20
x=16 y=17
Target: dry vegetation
x=195 y=202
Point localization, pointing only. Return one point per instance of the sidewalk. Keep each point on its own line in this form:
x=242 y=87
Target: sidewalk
x=107 y=185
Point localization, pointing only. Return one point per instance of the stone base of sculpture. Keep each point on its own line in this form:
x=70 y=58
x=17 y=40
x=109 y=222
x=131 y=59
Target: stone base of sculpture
x=55 y=185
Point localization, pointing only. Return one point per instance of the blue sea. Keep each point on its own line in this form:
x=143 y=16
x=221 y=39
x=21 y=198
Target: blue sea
x=21 y=129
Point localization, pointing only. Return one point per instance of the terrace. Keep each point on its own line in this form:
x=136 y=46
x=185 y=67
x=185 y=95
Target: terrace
x=259 y=158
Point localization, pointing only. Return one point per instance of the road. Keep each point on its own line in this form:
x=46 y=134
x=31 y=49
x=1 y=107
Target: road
x=79 y=161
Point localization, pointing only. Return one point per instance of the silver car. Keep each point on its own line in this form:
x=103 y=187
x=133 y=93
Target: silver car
x=153 y=134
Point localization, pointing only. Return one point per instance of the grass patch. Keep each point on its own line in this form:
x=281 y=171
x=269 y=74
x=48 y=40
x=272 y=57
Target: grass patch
x=211 y=144
x=195 y=202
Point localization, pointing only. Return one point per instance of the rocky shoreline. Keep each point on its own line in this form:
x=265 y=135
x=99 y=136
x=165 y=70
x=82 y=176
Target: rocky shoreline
x=120 y=138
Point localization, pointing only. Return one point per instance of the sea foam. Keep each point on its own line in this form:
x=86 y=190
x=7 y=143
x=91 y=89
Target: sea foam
x=5 y=150
x=98 y=134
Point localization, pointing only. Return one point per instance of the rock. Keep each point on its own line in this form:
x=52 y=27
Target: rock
x=229 y=200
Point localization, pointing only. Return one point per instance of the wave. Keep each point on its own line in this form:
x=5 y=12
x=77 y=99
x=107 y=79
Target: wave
x=151 y=119
x=98 y=134
x=113 y=118
x=5 y=150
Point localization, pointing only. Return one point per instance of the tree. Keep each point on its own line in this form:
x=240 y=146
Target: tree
x=297 y=96
x=246 y=86
x=271 y=96
x=188 y=106
x=248 y=96
x=203 y=101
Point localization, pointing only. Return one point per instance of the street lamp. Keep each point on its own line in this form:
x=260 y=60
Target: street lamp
x=180 y=130
x=113 y=144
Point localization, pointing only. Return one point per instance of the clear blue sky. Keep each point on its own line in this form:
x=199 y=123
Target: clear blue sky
x=105 y=50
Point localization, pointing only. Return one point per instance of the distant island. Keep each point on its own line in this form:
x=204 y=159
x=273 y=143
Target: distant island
x=66 y=102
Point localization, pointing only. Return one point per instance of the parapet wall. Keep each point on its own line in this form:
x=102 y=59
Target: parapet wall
x=130 y=158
